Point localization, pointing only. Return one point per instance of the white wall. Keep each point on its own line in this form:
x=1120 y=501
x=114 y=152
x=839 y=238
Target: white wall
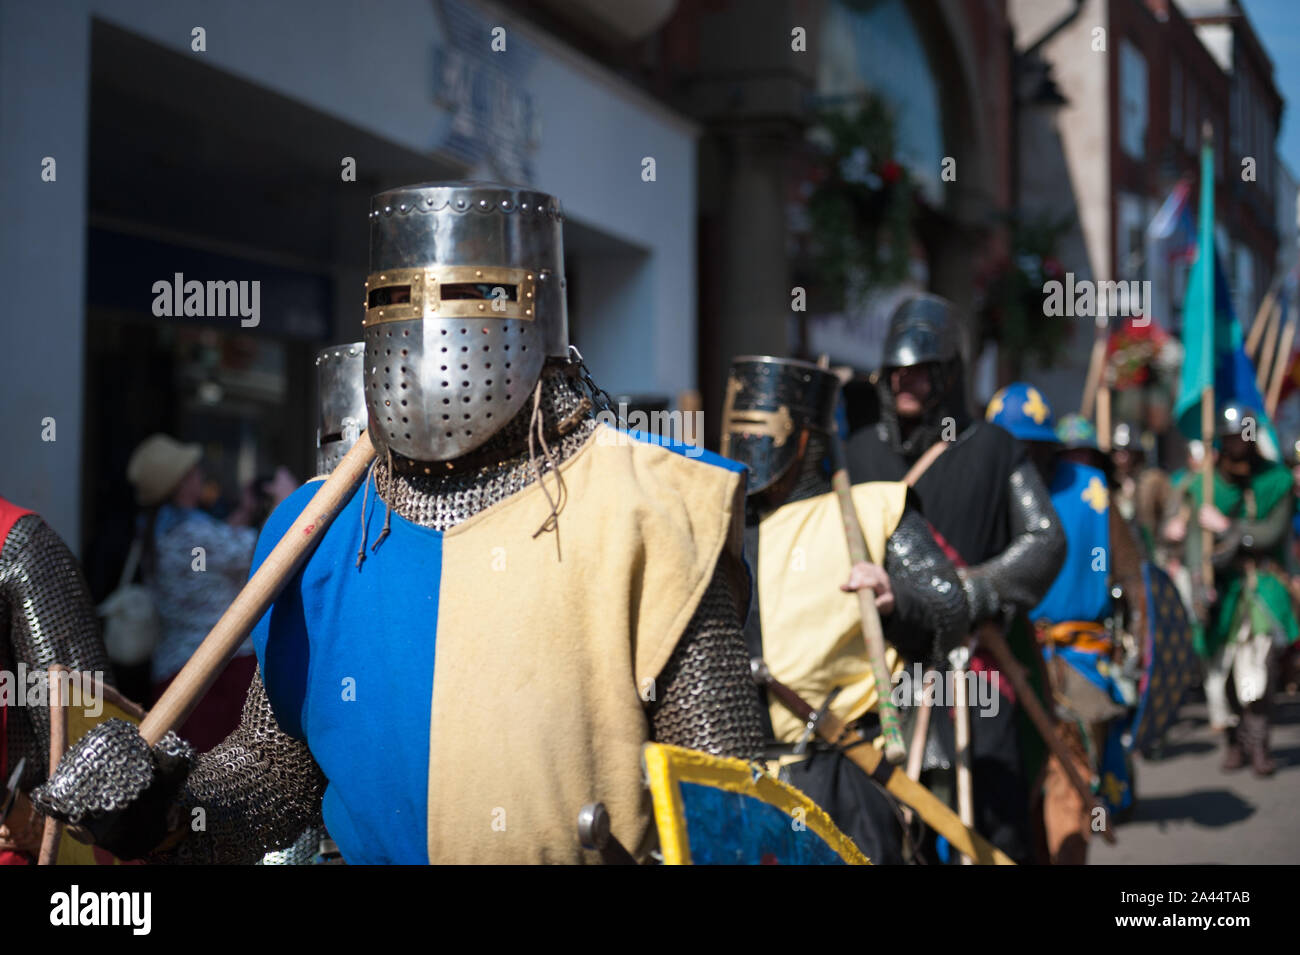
x=44 y=70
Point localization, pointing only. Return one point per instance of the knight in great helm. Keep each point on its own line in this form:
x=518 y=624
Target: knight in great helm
x=341 y=400
x=982 y=494
x=803 y=622
x=340 y=381
x=515 y=600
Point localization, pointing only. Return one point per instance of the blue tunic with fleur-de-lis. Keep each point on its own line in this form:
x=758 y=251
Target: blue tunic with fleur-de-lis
x=1081 y=590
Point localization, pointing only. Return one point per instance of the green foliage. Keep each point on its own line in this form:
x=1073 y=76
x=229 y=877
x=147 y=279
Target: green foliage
x=862 y=205
x=1011 y=308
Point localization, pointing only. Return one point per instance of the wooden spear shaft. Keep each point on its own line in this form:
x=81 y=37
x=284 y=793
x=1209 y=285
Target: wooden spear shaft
x=261 y=590
x=1096 y=366
x=1280 y=367
x=1265 y=364
x=1207 y=487
x=891 y=729
x=867 y=758
x=992 y=641
x=872 y=633
x=53 y=831
x=1103 y=418
x=1260 y=324
x=920 y=734
x=961 y=709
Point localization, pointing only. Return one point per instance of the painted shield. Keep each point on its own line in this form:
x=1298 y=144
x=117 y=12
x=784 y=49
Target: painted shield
x=1170 y=661
x=715 y=811
x=79 y=716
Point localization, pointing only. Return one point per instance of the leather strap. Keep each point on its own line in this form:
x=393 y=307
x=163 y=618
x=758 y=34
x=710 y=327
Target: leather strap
x=923 y=463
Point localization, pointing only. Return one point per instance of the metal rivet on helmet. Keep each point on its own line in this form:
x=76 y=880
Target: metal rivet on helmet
x=441 y=271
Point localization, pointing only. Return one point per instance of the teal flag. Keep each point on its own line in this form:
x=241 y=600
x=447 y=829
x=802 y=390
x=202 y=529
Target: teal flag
x=1213 y=347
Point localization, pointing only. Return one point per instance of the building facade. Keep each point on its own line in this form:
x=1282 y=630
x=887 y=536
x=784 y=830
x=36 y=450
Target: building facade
x=1162 y=70
x=241 y=142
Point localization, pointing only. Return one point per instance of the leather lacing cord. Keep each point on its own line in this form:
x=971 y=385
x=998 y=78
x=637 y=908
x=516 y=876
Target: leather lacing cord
x=536 y=434
x=388 y=509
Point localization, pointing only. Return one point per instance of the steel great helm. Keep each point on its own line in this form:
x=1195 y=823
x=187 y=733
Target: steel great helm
x=769 y=402
x=464 y=304
x=339 y=377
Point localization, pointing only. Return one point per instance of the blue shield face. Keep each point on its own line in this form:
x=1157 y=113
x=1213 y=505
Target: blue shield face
x=1171 y=662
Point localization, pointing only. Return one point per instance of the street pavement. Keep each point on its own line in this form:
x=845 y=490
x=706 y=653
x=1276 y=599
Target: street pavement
x=1190 y=812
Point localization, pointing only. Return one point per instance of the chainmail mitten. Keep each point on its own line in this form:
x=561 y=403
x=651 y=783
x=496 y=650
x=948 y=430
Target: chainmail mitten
x=706 y=698
x=110 y=784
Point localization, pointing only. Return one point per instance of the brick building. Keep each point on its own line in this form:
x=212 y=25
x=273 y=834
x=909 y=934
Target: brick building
x=1160 y=69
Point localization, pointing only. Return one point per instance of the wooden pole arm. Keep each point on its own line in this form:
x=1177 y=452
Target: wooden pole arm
x=257 y=596
x=992 y=640
x=868 y=759
x=872 y=632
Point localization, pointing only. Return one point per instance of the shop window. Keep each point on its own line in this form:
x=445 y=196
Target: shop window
x=1133 y=100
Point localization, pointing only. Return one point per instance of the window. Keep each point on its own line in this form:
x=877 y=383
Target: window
x=1175 y=99
x=878 y=47
x=1235 y=117
x=1244 y=284
x=1130 y=237
x=1133 y=100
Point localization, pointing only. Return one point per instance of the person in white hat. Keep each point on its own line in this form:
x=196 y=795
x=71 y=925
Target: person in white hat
x=194 y=565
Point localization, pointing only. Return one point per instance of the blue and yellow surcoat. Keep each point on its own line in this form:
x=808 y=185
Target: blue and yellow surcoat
x=466 y=692
x=1081 y=591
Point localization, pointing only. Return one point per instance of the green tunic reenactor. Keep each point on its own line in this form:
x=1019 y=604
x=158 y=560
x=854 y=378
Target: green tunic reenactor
x=1249 y=619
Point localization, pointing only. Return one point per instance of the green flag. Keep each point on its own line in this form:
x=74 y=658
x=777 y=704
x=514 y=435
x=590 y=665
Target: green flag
x=1214 y=352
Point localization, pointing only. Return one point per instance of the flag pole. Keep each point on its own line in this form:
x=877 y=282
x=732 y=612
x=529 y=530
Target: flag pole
x=1096 y=366
x=1207 y=392
x=1207 y=483
x=1103 y=418
x=1260 y=324
x=1264 y=366
x=1283 y=362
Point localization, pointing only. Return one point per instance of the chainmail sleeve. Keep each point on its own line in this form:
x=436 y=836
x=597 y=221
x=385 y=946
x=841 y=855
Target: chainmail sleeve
x=930 y=612
x=1022 y=574
x=259 y=789
x=706 y=699
x=51 y=619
